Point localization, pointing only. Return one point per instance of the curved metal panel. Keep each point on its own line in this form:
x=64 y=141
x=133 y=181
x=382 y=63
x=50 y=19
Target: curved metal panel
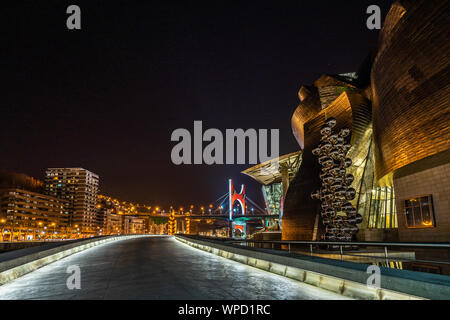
x=410 y=82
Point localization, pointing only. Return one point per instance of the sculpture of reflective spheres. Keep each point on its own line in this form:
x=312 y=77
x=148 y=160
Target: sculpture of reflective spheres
x=338 y=214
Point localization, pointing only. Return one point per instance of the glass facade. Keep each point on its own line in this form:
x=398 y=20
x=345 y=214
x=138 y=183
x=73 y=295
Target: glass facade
x=272 y=197
x=380 y=206
x=375 y=203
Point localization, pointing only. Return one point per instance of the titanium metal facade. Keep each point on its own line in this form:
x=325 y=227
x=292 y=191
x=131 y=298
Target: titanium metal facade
x=399 y=121
x=410 y=82
x=411 y=116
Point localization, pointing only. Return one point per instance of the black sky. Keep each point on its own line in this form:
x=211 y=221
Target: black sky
x=107 y=97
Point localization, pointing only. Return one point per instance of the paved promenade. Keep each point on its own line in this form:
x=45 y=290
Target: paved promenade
x=156 y=268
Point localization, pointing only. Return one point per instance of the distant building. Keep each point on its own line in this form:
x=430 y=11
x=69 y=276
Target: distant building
x=108 y=216
x=27 y=215
x=134 y=225
x=80 y=188
x=113 y=224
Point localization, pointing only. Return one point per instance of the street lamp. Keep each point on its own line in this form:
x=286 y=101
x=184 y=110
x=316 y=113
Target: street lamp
x=40 y=224
x=54 y=229
x=76 y=229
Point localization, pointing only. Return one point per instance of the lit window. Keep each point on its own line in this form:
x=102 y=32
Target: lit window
x=419 y=212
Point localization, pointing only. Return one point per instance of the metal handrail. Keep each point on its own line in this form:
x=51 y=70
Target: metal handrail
x=368 y=243
x=342 y=246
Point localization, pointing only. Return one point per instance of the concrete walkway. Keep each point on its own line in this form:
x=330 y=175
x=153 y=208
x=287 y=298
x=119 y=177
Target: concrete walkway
x=156 y=268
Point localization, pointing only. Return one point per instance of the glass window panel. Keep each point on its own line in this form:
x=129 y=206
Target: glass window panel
x=426 y=216
x=389 y=208
x=419 y=212
x=424 y=201
x=417 y=216
x=378 y=205
x=409 y=217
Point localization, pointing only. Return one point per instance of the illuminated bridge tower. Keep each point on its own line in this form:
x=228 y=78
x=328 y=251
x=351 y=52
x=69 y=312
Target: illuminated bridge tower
x=236 y=226
x=234 y=196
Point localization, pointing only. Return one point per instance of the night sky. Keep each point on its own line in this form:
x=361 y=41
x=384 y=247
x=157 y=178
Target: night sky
x=107 y=97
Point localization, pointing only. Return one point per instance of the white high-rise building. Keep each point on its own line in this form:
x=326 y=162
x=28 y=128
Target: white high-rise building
x=80 y=188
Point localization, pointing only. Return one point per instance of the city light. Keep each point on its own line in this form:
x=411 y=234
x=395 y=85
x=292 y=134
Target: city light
x=319 y=152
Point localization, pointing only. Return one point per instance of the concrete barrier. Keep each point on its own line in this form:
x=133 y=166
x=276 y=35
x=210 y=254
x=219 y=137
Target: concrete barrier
x=15 y=264
x=10 y=246
x=345 y=278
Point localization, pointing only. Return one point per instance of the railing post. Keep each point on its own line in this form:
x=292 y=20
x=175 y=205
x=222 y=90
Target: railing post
x=289 y=247
x=386 y=256
x=311 y=249
x=272 y=246
x=342 y=254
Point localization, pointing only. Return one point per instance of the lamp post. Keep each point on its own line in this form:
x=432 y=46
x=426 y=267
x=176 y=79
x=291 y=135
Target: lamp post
x=75 y=226
x=54 y=228
x=39 y=229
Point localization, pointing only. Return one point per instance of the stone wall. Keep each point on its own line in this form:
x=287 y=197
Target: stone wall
x=434 y=181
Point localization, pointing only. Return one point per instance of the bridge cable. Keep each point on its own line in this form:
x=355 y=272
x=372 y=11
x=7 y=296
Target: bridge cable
x=257 y=206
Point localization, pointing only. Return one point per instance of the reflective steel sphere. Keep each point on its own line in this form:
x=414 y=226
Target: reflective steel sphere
x=325 y=130
x=316 y=151
x=350 y=194
x=344 y=132
x=347 y=162
x=349 y=179
x=331 y=122
x=315 y=195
